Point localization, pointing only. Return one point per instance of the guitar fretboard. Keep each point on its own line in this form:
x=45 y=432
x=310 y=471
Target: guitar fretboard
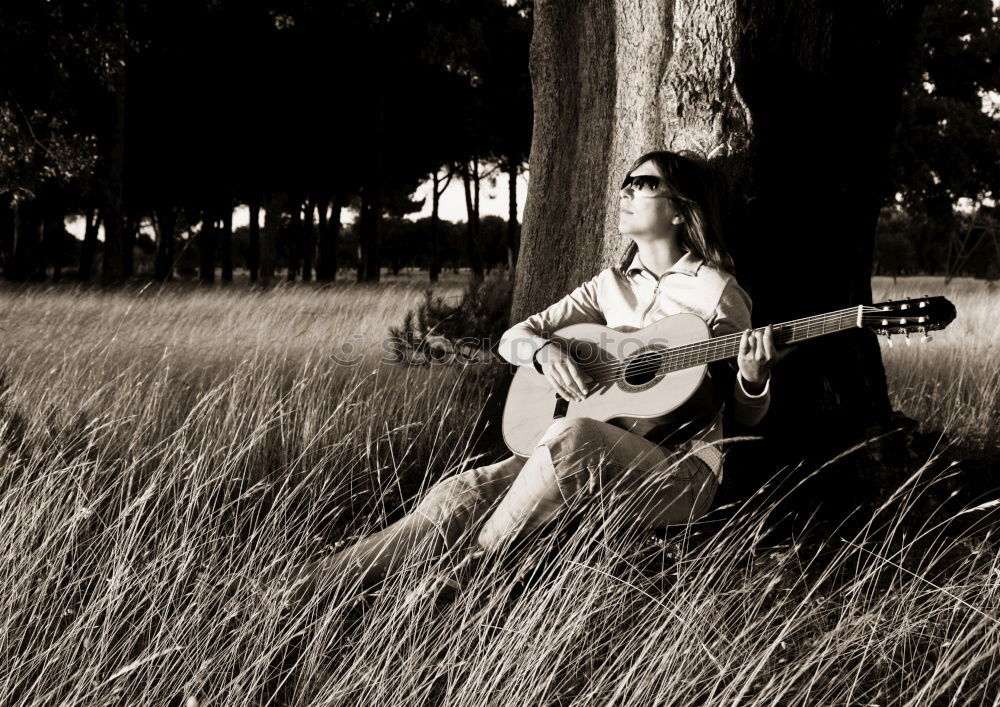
x=728 y=346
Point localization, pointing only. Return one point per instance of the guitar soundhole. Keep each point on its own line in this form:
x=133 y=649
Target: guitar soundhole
x=642 y=369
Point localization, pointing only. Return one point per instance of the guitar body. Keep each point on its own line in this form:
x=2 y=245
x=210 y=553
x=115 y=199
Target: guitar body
x=640 y=400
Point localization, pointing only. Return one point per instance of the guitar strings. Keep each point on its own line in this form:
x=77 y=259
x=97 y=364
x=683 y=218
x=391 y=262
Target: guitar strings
x=687 y=355
x=672 y=359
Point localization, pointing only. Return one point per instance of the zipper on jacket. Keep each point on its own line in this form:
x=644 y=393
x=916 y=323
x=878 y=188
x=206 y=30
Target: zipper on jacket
x=656 y=293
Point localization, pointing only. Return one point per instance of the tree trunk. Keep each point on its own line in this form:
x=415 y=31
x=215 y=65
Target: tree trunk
x=512 y=225
x=166 y=224
x=292 y=238
x=794 y=103
x=54 y=240
x=269 y=242
x=27 y=241
x=253 y=254
x=129 y=236
x=435 y=266
x=114 y=219
x=226 y=242
x=89 y=247
x=7 y=236
x=326 y=265
x=333 y=234
x=373 y=192
x=470 y=181
x=206 y=248
x=368 y=236
x=308 y=239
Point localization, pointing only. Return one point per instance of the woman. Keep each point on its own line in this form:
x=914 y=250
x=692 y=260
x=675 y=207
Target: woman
x=677 y=262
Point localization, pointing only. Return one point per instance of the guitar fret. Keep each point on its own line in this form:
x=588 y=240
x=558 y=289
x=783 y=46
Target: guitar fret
x=786 y=333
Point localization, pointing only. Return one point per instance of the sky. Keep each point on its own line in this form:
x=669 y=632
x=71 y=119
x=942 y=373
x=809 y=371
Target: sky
x=492 y=202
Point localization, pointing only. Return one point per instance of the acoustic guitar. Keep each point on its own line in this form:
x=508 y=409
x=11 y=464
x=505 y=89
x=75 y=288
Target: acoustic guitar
x=648 y=378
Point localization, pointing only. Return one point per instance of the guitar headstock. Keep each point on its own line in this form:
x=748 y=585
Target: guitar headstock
x=919 y=315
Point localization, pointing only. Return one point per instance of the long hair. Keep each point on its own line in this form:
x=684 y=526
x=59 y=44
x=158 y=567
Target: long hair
x=692 y=185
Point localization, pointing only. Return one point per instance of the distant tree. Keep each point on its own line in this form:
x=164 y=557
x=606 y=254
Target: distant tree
x=49 y=154
x=253 y=239
x=502 y=63
x=894 y=251
x=164 y=223
x=119 y=55
x=207 y=247
x=947 y=146
x=226 y=242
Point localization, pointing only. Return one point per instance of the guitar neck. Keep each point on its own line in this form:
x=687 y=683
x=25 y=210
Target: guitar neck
x=728 y=346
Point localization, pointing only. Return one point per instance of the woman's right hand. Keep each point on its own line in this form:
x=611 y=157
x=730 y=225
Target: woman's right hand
x=562 y=373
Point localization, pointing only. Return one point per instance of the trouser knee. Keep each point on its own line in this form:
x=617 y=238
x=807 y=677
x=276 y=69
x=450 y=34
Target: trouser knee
x=574 y=445
x=450 y=505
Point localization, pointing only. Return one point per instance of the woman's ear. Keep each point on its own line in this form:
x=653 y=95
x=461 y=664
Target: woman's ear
x=677 y=219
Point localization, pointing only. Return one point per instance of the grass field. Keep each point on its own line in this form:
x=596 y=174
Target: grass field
x=152 y=441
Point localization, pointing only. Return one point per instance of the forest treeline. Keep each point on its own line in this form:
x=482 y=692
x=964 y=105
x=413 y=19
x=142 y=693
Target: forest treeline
x=128 y=113
x=173 y=113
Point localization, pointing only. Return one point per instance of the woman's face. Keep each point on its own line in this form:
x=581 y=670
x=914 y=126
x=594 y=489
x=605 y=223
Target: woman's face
x=644 y=210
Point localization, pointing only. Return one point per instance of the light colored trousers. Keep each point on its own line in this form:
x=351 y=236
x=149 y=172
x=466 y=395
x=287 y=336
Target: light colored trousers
x=576 y=459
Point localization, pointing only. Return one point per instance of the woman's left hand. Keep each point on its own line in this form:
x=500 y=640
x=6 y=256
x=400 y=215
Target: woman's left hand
x=758 y=353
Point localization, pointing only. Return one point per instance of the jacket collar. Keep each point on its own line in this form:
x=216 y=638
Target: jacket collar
x=688 y=264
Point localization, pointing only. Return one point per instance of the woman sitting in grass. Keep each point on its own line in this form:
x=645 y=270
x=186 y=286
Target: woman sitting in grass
x=676 y=263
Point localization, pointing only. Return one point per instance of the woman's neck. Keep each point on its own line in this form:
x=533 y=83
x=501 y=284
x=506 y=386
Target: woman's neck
x=659 y=256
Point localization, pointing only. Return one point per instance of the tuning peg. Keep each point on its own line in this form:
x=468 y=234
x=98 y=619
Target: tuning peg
x=888 y=337
x=907 y=336
x=925 y=338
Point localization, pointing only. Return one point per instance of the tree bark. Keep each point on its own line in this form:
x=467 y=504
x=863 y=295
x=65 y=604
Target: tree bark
x=794 y=103
x=226 y=242
x=253 y=254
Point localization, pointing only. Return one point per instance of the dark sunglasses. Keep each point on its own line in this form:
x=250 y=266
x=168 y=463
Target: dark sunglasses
x=644 y=184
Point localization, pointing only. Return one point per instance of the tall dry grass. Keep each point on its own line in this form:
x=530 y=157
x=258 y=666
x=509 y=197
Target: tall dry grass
x=153 y=442
x=953 y=381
